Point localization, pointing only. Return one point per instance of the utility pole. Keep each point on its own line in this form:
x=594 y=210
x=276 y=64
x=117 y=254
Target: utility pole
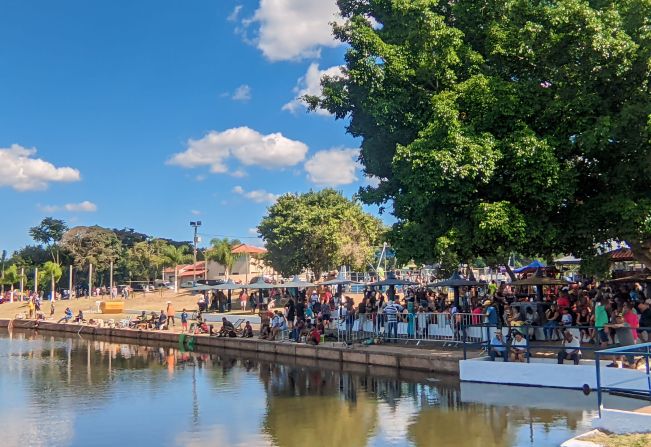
x=195 y=225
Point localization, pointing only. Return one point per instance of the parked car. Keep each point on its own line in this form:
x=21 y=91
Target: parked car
x=188 y=284
x=159 y=284
x=210 y=282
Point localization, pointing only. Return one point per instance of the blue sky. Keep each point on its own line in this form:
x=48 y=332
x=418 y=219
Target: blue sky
x=149 y=114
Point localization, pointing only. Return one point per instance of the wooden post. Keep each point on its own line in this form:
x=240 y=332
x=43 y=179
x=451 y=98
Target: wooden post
x=22 y=282
x=70 y=283
x=90 y=279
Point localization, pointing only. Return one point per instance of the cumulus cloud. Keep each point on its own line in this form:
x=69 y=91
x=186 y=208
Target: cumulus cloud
x=257 y=195
x=294 y=29
x=195 y=212
x=82 y=207
x=333 y=167
x=310 y=84
x=248 y=146
x=22 y=172
x=242 y=93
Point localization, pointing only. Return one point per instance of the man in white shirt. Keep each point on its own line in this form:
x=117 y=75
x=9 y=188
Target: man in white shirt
x=571 y=348
x=518 y=347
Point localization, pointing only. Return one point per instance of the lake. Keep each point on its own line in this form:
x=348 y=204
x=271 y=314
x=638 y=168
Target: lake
x=80 y=391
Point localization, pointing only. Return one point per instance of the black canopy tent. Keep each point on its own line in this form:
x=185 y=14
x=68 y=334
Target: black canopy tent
x=455 y=281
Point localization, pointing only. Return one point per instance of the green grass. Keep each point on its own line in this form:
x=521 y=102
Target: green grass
x=612 y=440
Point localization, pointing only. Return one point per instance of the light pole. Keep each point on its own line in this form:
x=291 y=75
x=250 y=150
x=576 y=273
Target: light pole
x=195 y=225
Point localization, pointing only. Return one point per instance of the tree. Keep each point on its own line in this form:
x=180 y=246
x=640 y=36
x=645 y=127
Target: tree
x=500 y=126
x=9 y=278
x=53 y=271
x=173 y=256
x=318 y=231
x=221 y=251
x=92 y=245
x=49 y=232
x=145 y=259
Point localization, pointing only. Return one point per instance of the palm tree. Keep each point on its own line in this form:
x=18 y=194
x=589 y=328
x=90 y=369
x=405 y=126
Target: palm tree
x=54 y=271
x=10 y=278
x=173 y=257
x=221 y=251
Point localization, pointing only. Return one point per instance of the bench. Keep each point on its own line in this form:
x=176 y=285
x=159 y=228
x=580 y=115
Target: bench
x=112 y=307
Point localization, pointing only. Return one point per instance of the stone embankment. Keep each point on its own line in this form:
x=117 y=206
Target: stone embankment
x=391 y=356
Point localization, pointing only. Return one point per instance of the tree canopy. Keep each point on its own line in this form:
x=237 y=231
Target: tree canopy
x=92 y=245
x=501 y=125
x=49 y=232
x=318 y=231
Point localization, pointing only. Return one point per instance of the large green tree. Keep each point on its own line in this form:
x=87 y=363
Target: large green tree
x=92 y=245
x=498 y=126
x=318 y=231
x=49 y=232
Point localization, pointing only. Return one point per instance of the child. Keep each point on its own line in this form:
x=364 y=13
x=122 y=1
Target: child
x=184 y=321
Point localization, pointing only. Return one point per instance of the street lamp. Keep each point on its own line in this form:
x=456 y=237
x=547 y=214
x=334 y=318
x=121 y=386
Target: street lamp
x=195 y=225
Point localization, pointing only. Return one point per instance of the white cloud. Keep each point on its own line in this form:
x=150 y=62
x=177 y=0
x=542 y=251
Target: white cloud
x=20 y=171
x=195 y=212
x=233 y=16
x=253 y=231
x=238 y=173
x=333 y=167
x=294 y=29
x=81 y=207
x=246 y=145
x=242 y=93
x=257 y=195
x=310 y=84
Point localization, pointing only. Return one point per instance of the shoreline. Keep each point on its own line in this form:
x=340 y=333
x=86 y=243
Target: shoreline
x=398 y=358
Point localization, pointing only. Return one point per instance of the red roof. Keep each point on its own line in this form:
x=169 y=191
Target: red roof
x=621 y=255
x=191 y=273
x=201 y=265
x=250 y=249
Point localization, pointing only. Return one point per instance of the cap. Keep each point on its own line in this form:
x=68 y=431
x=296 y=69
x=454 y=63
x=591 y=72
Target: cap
x=487 y=303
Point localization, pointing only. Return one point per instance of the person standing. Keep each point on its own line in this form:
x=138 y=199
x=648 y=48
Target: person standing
x=170 y=314
x=600 y=321
x=391 y=311
x=184 y=321
x=244 y=297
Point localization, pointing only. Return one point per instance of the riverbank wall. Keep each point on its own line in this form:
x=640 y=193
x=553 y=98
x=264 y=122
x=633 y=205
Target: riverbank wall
x=397 y=357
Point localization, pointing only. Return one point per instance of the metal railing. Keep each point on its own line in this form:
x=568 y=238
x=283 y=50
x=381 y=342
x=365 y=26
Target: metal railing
x=458 y=328
x=418 y=327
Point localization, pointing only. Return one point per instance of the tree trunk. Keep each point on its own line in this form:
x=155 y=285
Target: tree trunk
x=11 y=299
x=642 y=251
x=510 y=272
x=53 y=293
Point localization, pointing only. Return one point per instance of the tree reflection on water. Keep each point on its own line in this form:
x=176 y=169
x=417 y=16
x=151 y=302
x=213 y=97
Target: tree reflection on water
x=254 y=400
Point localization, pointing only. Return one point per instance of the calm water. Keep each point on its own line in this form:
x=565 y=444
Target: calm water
x=87 y=392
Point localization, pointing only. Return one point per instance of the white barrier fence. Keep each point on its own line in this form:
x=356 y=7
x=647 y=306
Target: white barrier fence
x=443 y=327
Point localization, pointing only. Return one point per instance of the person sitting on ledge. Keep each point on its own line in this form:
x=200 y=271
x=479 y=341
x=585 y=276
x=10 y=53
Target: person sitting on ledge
x=162 y=319
x=315 y=337
x=248 y=330
x=571 y=345
x=497 y=348
x=278 y=325
x=298 y=329
x=79 y=318
x=227 y=329
x=67 y=316
x=518 y=347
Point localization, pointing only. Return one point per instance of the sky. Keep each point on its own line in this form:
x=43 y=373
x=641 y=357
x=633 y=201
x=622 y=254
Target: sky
x=155 y=113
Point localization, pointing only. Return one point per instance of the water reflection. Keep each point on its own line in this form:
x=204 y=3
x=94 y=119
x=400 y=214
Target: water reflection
x=77 y=391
